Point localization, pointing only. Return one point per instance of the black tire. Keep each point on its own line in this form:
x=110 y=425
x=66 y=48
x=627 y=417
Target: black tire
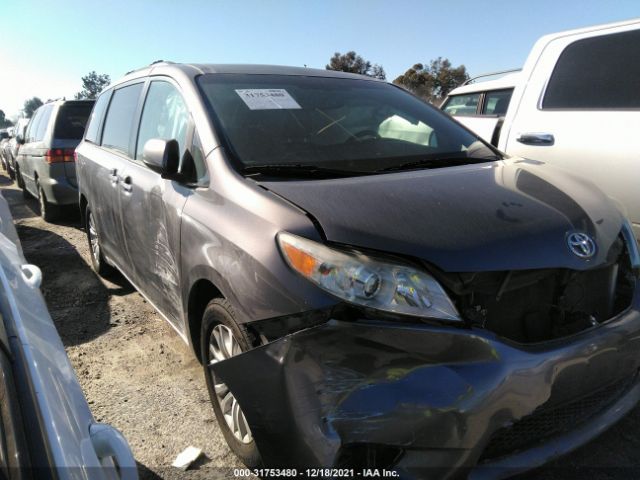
x=48 y=211
x=220 y=312
x=12 y=172
x=20 y=182
x=99 y=264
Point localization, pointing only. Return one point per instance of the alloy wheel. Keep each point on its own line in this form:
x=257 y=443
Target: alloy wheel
x=222 y=346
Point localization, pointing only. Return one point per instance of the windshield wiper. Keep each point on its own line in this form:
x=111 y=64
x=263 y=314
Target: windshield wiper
x=300 y=170
x=438 y=162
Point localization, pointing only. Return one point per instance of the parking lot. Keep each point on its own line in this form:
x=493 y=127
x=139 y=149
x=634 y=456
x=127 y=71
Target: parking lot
x=137 y=374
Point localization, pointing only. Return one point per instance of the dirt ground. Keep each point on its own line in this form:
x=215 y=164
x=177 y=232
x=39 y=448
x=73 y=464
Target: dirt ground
x=136 y=372
x=139 y=376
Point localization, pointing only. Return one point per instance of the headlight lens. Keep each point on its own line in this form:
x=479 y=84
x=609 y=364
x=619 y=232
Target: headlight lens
x=367 y=281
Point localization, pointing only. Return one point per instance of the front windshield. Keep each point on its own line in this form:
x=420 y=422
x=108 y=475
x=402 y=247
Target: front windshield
x=333 y=123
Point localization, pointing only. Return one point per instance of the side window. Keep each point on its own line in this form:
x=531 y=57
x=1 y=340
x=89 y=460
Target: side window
x=597 y=72
x=466 y=104
x=43 y=123
x=496 y=102
x=117 y=126
x=96 y=117
x=33 y=126
x=164 y=116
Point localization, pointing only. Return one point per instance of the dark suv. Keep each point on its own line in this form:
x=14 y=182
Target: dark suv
x=45 y=163
x=366 y=282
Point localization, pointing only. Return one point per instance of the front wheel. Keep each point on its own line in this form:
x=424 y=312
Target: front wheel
x=221 y=339
x=99 y=264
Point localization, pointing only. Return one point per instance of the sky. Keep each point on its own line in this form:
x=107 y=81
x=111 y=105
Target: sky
x=47 y=46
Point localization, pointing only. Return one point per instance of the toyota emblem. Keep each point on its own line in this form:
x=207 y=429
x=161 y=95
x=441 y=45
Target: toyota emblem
x=581 y=245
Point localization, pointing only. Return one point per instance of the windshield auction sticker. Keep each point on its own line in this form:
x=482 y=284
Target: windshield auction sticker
x=267 y=99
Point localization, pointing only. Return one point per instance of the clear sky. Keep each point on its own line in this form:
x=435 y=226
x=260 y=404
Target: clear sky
x=47 y=46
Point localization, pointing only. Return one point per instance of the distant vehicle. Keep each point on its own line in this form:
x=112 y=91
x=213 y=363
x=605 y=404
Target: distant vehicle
x=366 y=282
x=575 y=104
x=47 y=431
x=45 y=164
x=10 y=149
x=5 y=135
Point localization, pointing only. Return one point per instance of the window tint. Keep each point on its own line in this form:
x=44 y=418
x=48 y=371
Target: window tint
x=117 y=126
x=496 y=102
x=71 y=120
x=164 y=116
x=96 y=117
x=463 y=104
x=598 y=72
x=33 y=125
x=43 y=123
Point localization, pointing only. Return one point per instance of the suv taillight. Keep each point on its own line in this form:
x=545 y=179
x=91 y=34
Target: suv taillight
x=59 y=155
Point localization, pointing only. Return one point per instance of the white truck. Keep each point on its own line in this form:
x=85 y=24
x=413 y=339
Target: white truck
x=575 y=104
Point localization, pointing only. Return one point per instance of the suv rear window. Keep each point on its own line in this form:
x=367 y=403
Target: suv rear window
x=599 y=72
x=465 y=104
x=71 y=120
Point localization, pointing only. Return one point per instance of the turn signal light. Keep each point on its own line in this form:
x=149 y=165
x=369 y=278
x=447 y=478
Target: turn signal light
x=59 y=155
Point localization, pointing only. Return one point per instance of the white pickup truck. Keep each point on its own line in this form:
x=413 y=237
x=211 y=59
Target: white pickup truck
x=575 y=103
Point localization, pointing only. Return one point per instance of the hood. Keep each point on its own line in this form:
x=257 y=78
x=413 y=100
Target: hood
x=509 y=215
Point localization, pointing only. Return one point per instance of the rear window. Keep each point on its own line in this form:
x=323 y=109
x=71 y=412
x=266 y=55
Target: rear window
x=463 y=104
x=496 y=102
x=597 y=73
x=71 y=120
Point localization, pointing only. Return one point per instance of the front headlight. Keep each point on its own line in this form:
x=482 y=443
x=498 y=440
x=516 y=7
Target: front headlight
x=367 y=281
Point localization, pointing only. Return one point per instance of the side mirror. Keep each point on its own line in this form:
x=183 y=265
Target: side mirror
x=20 y=139
x=162 y=156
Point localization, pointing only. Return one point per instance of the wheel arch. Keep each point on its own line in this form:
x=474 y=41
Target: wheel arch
x=83 y=202
x=202 y=291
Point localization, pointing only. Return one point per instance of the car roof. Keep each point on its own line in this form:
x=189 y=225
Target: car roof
x=194 y=69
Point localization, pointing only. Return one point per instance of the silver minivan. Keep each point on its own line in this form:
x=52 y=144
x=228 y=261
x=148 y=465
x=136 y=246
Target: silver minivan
x=45 y=164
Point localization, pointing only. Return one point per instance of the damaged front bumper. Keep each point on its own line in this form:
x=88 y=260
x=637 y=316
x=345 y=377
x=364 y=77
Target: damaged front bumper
x=432 y=402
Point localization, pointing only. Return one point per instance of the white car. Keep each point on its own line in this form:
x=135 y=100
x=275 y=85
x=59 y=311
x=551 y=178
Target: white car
x=575 y=103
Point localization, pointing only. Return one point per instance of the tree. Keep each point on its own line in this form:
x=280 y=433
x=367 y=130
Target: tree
x=435 y=81
x=4 y=121
x=353 y=63
x=31 y=106
x=92 y=85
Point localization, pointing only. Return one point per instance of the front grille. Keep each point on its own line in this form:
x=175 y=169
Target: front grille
x=549 y=421
x=532 y=306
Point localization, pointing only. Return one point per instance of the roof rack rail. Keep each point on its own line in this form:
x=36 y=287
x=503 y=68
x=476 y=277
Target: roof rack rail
x=156 y=62
x=491 y=74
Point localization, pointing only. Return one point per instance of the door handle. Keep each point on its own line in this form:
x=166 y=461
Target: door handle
x=113 y=175
x=109 y=443
x=127 y=186
x=543 y=139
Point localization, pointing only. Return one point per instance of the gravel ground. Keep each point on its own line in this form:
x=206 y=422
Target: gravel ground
x=139 y=376
x=136 y=372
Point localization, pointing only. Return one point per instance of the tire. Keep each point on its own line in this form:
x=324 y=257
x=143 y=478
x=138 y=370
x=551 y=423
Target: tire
x=99 y=264
x=48 y=211
x=20 y=182
x=219 y=314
